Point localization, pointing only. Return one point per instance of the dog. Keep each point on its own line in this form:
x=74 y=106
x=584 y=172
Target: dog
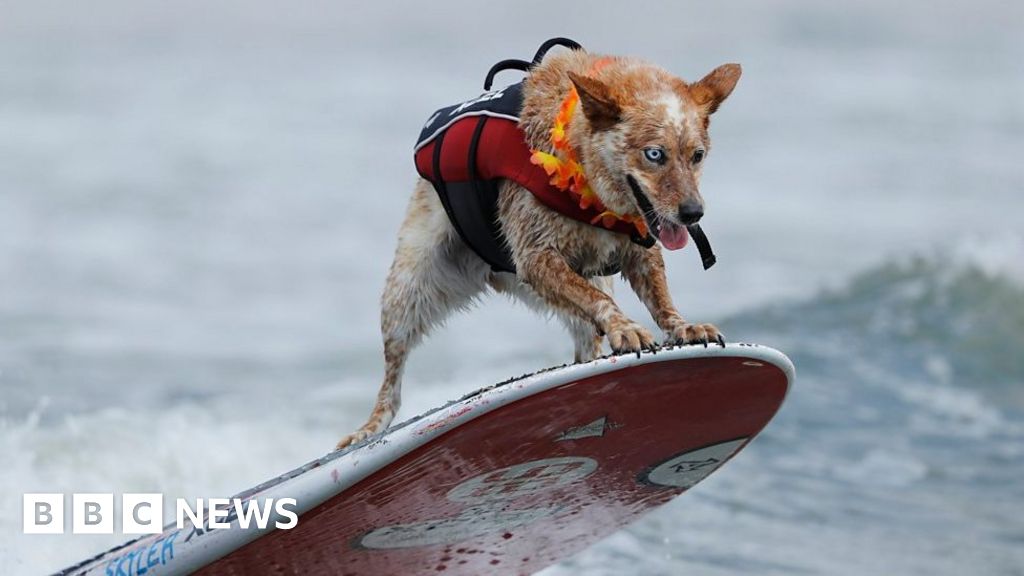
x=637 y=138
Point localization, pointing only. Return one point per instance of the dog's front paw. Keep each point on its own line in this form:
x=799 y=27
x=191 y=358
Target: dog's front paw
x=628 y=336
x=686 y=333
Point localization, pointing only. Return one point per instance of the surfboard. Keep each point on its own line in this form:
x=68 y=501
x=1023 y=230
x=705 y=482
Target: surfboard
x=507 y=480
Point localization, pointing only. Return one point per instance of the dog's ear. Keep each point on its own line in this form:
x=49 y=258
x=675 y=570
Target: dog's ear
x=599 y=106
x=714 y=88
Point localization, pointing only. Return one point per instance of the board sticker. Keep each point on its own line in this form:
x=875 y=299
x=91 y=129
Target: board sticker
x=523 y=479
x=595 y=429
x=471 y=522
x=686 y=469
x=486 y=493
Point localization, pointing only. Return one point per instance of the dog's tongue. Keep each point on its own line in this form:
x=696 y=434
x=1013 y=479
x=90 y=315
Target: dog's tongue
x=673 y=237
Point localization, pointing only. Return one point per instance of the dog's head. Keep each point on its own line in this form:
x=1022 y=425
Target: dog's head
x=646 y=140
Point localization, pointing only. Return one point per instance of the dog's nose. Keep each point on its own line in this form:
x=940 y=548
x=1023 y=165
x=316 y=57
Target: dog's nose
x=690 y=212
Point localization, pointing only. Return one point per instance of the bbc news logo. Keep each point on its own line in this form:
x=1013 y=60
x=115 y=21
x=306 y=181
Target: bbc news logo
x=144 y=513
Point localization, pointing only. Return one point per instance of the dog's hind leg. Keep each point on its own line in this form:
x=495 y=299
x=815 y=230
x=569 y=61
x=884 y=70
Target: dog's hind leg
x=434 y=273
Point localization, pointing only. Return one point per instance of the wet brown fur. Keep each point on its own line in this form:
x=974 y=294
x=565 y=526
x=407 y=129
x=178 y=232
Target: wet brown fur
x=625 y=106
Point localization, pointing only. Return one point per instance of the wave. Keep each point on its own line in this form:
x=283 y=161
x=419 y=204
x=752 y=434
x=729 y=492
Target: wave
x=947 y=319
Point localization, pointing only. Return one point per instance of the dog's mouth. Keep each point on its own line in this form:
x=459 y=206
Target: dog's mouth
x=672 y=236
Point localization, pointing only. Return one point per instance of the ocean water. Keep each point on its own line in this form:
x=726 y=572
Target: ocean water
x=199 y=201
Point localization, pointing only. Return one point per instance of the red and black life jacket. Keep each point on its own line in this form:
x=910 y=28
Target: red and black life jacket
x=467 y=149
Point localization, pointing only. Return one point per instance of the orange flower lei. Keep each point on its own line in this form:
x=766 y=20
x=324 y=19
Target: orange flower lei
x=566 y=171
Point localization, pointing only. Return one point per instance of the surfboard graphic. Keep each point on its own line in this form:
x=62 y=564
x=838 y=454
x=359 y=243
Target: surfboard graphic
x=507 y=480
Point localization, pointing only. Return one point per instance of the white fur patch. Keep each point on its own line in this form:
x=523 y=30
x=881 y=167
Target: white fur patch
x=678 y=116
x=674 y=112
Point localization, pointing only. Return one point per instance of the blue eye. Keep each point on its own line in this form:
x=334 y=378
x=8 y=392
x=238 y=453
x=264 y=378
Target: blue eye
x=655 y=154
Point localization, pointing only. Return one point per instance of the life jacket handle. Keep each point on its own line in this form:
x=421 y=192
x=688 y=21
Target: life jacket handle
x=510 y=64
x=548 y=45
x=523 y=65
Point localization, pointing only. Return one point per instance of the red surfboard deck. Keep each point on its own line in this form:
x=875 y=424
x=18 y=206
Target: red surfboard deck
x=510 y=479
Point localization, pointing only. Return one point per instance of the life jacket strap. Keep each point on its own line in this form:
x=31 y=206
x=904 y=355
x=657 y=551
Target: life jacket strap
x=700 y=239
